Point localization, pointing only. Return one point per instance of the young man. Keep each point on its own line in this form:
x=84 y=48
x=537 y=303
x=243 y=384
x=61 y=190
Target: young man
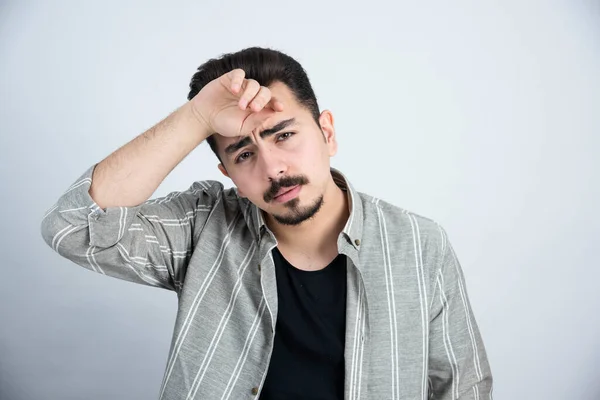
x=292 y=285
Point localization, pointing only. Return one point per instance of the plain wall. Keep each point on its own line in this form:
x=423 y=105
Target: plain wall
x=481 y=115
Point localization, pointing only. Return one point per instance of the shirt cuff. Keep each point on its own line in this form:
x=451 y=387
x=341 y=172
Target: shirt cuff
x=106 y=226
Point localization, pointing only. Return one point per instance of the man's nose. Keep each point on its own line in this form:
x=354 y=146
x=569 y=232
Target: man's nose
x=272 y=164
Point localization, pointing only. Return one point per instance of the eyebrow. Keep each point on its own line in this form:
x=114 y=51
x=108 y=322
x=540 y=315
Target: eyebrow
x=246 y=140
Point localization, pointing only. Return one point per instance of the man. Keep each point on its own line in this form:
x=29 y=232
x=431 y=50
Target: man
x=292 y=285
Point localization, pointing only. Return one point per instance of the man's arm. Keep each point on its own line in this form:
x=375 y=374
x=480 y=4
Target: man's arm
x=130 y=175
x=458 y=364
x=105 y=223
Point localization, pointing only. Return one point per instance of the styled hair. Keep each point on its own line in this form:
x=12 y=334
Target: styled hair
x=264 y=65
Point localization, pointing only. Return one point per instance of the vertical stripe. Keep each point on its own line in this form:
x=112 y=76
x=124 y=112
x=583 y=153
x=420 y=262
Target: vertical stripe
x=362 y=348
x=92 y=259
x=121 y=223
x=355 y=344
x=468 y=317
x=422 y=299
x=393 y=296
x=348 y=227
x=443 y=235
x=446 y=338
x=391 y=304
x=89 y=255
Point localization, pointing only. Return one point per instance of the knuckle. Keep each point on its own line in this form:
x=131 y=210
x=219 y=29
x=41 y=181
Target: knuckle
x=233 y=75
x=250 y=90
x=259 y=103
x=265 y=92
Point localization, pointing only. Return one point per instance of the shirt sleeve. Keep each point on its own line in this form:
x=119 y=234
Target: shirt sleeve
x=149 y=244
x=458 y=364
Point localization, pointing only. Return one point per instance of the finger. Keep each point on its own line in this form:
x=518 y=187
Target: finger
x=251 y=89
x=275 y=105
x=261 y=99
x=256 y=119
x=236 y=79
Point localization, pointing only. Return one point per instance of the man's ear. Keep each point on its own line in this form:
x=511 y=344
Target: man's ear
x=326 y=121
x=223 y=170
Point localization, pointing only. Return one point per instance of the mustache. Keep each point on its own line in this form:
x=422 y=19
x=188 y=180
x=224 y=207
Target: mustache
x=288 y=181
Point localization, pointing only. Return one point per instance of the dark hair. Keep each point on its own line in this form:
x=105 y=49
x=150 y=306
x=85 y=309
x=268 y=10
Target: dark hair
x=264 y=65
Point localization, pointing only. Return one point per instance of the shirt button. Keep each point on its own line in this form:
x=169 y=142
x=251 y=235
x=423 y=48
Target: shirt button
x=357 y=241
x=255 y=391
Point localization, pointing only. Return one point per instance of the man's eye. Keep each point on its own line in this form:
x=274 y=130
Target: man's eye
x=285 y=136
x=241 y=157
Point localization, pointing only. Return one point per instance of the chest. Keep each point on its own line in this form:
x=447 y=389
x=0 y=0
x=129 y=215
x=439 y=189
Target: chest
x=225 y=327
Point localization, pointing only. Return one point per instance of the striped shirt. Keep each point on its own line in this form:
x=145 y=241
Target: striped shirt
x=410 y=329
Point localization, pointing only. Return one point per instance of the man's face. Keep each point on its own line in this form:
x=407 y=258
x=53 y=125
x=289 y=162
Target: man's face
x=288 y=153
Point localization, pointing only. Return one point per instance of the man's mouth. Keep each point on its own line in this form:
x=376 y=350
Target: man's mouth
x=284 y=191
x=287 y=194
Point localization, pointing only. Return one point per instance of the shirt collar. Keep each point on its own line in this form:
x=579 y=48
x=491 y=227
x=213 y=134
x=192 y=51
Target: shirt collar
x=353 y=228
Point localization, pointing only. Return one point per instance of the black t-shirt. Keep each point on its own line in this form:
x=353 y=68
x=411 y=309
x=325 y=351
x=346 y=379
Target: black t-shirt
x=308 y=353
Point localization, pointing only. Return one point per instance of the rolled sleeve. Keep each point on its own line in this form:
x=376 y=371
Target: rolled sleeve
x=150 y=243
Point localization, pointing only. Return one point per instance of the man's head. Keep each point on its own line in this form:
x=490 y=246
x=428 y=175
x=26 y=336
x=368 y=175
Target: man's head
x=291 y=149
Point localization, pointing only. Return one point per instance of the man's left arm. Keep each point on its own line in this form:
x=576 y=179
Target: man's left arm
x=458 y=363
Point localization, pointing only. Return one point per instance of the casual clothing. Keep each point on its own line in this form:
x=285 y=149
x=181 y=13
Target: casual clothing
x=307 y=362
x=410 y=331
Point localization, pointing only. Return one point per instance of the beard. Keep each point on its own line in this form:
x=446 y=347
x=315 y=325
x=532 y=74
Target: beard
x=298 y=214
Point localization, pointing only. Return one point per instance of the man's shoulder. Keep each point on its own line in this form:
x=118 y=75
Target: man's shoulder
x=378 y=212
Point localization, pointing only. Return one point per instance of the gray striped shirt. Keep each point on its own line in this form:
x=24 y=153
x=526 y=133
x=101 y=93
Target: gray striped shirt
x=410 y=330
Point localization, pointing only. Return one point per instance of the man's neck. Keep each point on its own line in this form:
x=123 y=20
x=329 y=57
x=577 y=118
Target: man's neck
x=319 y=233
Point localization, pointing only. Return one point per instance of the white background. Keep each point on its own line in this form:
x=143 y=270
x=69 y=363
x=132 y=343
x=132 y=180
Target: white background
x=483 y=115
